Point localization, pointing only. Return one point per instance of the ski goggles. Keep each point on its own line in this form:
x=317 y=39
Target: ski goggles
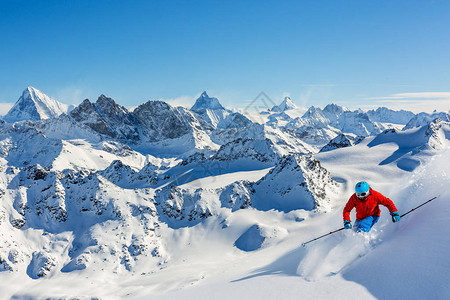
x=362 y=195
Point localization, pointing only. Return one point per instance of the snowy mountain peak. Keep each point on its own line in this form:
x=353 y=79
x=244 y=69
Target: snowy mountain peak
x=105 y=117
x=296 y=182
x=105 y=103
x=287 y=104
x=158 y=121
x=34 y=105
x=313 y=113
x=102 y=98
x=423 y=118
x=30 y=90
x=333 y=112
x=334 y=108
x=205 y=102
x=384 y=114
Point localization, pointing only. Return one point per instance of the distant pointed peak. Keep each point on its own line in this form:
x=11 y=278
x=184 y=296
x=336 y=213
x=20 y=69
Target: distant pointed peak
x=35 y=95
x=286 y=104
x=32 y=93
x=35 y=105
x=205 y=102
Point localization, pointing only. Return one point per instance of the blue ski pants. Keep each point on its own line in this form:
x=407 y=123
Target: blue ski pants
x=365 y=224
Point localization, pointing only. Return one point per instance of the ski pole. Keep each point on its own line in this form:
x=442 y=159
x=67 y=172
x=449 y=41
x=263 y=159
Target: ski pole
x=418 y=206
x=303 y=244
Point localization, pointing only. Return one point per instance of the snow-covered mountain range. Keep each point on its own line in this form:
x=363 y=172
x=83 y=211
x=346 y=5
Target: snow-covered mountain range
x=145 y=195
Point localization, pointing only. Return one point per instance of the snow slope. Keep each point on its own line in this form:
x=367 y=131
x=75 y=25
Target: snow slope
x=278 y=269
x=407 y=260
x=413 y=256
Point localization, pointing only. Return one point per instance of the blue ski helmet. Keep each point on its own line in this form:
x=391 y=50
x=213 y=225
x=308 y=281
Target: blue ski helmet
x=361 y=187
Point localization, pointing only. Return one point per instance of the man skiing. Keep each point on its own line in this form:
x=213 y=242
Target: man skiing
x=367 y=201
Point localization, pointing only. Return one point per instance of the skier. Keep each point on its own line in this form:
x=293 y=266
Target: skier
x=367 y=201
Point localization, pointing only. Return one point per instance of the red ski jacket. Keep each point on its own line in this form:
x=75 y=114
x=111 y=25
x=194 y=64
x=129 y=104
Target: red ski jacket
x=367 y=207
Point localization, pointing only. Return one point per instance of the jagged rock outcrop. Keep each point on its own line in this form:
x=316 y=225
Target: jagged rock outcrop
x=437 y=133
x=183 y=207
x=157 y=121
x=126 y=177
x=342 y=141
x=118 y=173
x=296 y=182
x=106 y=117
x=237 y=195
x=41 y=265
x=261 y=150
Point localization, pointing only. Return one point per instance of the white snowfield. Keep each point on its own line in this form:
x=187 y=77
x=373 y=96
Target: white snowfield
x=103 y=203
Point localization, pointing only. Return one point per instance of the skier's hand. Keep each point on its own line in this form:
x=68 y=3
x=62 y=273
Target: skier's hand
x=395 y=216
x=347 y=225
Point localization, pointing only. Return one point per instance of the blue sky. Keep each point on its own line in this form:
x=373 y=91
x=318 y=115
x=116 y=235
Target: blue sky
x=354 y=53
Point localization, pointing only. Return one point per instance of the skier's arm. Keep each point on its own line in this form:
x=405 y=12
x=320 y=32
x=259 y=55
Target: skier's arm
x=388 y=203
x=347 y=209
